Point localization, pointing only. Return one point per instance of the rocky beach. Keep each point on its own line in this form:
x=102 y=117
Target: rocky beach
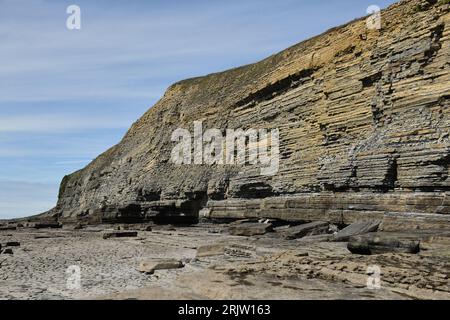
x=208 y=261
x=356 y=204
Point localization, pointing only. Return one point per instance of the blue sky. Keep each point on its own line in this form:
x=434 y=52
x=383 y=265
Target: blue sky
x=68 y=95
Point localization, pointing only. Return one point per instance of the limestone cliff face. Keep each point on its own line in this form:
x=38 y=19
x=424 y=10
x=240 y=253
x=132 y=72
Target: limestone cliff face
x=363 y=116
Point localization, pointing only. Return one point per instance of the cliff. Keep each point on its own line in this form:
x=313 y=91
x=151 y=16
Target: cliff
x=363 y=118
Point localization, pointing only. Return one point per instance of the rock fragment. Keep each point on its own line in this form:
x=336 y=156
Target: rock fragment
x=150 y=266
x=355 y=229
x=379 y=243
x=8 y=251
x=12 y=244
x=120 y=234
x=211 y=250
x=249 y=229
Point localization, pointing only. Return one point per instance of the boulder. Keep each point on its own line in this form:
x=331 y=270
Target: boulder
x=120 y=234
x=307 y=229
x=249 y=229
x=355 y=229
x=211 y=250
x=47 y=236
x=379 y=243
x=8 y=251
x=12 y=244
x=150 y=266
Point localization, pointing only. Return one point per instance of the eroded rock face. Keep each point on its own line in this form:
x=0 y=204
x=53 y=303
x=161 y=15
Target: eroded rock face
x=363 y=118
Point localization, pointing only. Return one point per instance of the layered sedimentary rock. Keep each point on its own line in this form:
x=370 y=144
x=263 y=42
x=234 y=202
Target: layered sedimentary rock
x=363 y=118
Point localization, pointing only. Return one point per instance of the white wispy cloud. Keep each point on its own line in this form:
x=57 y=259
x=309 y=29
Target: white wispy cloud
x=142 y=45
x=59 y=123
x=21 y=198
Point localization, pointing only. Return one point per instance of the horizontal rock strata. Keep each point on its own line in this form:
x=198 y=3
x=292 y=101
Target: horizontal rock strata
x=363 y=118
x=398 y=211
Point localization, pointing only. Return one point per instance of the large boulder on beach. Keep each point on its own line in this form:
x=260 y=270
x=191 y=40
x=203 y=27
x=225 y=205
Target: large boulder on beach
x=379 y=243
x=150 y=266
